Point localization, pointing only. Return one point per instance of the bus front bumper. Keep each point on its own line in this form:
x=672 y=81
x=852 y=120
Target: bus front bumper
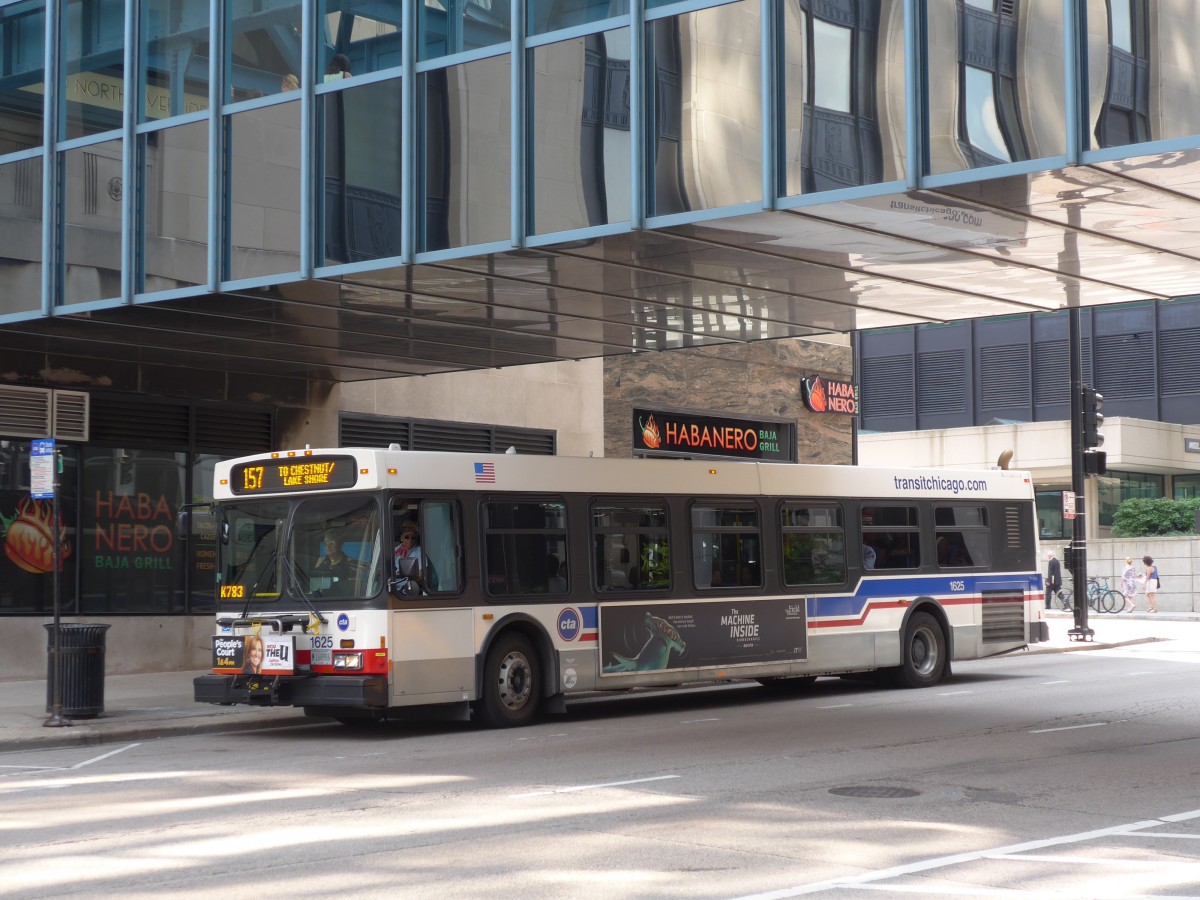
x=292 y=690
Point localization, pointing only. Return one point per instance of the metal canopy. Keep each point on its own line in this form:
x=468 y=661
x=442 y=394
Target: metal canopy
x=1103 y=233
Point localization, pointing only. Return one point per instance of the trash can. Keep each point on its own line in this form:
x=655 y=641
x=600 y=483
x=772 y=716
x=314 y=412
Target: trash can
x=82 y=648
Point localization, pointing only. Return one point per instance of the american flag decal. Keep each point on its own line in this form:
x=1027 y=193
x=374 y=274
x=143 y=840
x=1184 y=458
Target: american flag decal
x=485 y=473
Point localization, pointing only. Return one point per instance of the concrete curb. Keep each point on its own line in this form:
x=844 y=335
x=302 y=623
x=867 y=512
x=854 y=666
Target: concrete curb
x=97 y=732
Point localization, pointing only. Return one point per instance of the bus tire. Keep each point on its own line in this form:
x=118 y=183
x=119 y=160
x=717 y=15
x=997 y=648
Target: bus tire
x=923 y=653
x=511 y=678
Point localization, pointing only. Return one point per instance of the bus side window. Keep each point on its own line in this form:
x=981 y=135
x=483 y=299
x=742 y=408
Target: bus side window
x=519 y=540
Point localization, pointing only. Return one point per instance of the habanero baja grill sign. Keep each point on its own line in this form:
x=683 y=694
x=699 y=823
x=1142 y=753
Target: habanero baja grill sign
x=664 y=432
x=824 y=395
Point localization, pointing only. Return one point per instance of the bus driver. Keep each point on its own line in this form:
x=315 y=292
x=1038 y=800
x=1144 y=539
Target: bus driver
x=408 y=560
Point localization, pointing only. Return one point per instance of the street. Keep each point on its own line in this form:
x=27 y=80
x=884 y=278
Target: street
x=1076 y=774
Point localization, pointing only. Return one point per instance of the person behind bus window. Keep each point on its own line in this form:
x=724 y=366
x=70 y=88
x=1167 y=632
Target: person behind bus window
x=409 y=549
x=869 y=555
x=334 y=563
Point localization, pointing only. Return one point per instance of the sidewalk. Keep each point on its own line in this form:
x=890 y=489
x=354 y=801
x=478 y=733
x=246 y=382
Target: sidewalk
x=142 y=707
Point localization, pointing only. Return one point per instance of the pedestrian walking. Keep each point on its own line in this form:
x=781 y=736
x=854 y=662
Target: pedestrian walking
x=1151 y=584
x=1129 y=584
x=1053 y=578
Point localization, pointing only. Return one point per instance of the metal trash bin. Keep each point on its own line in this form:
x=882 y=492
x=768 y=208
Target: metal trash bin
x=82 y=648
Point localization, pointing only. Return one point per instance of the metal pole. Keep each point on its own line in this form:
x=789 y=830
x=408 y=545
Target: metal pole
x=56 y=719
x=1081 y=631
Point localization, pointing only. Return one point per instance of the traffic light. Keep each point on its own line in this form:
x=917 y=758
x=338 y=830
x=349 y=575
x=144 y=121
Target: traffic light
x=1068 y=559
x=1093 y=402
x=1095 y=462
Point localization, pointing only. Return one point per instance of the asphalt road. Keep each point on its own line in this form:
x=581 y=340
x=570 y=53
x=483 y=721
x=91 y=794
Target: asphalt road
x=1074 y=775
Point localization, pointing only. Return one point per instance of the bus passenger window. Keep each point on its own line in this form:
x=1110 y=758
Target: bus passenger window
x=963 y=539
x=891 y=535
x=814 y=544
x=629 y=544
x=726 y=546
x=519 y=540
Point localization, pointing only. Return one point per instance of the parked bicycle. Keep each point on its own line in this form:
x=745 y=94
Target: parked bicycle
x=1101 y=597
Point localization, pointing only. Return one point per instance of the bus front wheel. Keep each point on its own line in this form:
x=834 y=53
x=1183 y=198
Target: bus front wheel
x=510 y=683
x=923 y=654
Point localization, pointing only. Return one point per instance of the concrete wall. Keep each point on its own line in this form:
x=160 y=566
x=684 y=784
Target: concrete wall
x=566 y=397
x=1177 y=558
x=133 y=644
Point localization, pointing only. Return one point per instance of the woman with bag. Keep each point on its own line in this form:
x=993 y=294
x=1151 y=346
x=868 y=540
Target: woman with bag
x=1129 y=582
x=1151 y=583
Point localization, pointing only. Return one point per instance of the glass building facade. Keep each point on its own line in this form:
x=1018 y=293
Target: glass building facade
x=164 y=149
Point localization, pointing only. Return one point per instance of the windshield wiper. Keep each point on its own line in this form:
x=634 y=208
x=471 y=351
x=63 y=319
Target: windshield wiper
x=296 y=573
x=251 y=593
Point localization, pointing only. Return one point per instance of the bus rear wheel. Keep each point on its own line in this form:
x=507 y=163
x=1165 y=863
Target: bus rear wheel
x=923 y=653
x=510 y=683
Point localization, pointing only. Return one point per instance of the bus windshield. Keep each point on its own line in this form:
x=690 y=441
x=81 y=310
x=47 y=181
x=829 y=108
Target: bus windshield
x=333 y=548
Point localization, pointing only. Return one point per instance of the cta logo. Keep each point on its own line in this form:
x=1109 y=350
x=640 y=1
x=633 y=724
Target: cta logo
x=343 y=622
x=569 y=624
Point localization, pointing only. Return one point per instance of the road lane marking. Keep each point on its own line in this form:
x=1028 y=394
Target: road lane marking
x=1044 y=683
x=868 y=880
x=88 y=762
x=591 y=787
x=953 y=693
x=1086 y=860
x=837 y=706
x=697 y=721
x=1067 y=728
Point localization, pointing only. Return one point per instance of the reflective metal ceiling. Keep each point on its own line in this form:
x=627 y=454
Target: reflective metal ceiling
x=1105 y=233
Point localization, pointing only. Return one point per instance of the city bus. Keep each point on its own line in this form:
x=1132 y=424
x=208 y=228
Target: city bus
x=370 y=584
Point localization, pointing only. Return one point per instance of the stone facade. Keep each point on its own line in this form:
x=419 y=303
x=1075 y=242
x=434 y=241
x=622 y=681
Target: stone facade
x=756 y=380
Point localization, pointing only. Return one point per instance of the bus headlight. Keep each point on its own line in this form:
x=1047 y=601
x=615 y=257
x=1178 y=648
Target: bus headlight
x=348 y=661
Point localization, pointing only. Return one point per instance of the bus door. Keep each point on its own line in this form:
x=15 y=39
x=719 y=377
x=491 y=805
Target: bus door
x=431 y=636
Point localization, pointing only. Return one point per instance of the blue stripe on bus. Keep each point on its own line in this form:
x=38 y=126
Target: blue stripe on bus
x=879 y=591
x=874 y=590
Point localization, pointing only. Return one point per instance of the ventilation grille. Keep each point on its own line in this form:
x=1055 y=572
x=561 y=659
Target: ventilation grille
x=540 y=443
x=1012 y=527
x=126 y=422
x=1052 y=373
x=1179 y=361
x=237 y=430
x=25 y=412
x=452 y=436
x=1005 y=374
x=1124 y=367
x=887 y=383
x=942 y=382
x=460 y=437
x=1003 y=617
x=71 y=415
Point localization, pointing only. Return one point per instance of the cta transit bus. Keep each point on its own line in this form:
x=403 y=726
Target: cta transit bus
x=364 y=584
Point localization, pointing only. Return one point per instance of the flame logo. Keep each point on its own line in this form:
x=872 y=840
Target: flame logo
x=30 y=538
x=650 y=433
x=817 y=401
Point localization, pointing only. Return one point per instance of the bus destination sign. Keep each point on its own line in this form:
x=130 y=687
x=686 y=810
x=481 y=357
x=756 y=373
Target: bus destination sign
x=307 y=473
